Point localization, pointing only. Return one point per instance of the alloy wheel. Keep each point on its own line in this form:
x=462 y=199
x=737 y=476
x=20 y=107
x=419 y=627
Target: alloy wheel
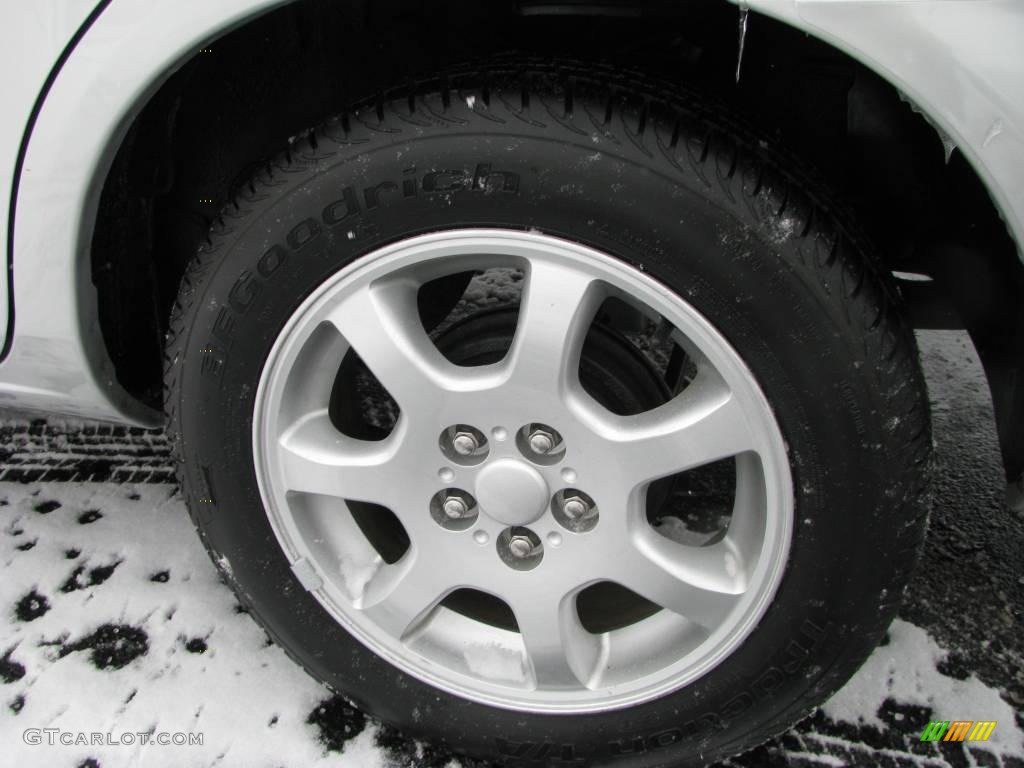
x=510 y=480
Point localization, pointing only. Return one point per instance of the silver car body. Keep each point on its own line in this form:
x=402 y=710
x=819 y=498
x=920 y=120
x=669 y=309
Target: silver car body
x=65 y=116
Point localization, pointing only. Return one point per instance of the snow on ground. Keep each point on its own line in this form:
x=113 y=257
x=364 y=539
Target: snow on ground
x=906 y=670
x=116 y=622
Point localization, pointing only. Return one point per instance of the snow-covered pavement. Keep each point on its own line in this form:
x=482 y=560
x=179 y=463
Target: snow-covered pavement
x=113 y=621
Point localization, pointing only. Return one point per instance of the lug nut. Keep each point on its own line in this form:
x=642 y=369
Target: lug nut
x=520 y=546
x=541 y=441
x=520 y=549
x=454 y=507
x=575 y=508
x=465 y=443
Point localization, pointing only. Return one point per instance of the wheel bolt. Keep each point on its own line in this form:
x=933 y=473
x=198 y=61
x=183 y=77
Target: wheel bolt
x=465 y=443
x=520 y=546
x=575 y=508
x=541 y=441
x=454 y=507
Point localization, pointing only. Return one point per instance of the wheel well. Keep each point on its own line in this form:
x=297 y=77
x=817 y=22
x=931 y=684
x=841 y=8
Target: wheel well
x=234 y=105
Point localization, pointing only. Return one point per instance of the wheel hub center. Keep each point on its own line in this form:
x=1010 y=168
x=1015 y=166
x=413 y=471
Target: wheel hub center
x=511 y=492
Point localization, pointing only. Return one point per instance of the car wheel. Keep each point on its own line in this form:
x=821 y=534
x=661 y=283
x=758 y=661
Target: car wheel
x=550 y=413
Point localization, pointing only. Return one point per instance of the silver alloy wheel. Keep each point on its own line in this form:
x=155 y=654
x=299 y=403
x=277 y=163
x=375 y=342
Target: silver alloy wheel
x=712 y=596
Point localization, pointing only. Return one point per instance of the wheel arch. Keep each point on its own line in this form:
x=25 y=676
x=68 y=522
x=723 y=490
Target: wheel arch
x=57 y=357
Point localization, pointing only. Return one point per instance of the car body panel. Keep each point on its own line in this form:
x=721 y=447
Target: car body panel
x=958 y=62
x=952 y=58
x=57 y=361
x=30 y=45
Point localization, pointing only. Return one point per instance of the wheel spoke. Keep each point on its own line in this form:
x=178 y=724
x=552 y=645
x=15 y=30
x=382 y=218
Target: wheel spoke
x=557 y=306
x=559 y=651
x=399 y=597
x=702 y=584
x=704 y=424
x=747 y=524
x=383 y=326
x=317 y=458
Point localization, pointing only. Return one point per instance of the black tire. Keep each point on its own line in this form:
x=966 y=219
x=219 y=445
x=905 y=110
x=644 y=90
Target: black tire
x=703 y=206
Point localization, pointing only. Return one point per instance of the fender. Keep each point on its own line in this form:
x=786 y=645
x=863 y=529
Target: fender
x=957 y=62
x=57 y=361
x=948 y=58
x=29 y=46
